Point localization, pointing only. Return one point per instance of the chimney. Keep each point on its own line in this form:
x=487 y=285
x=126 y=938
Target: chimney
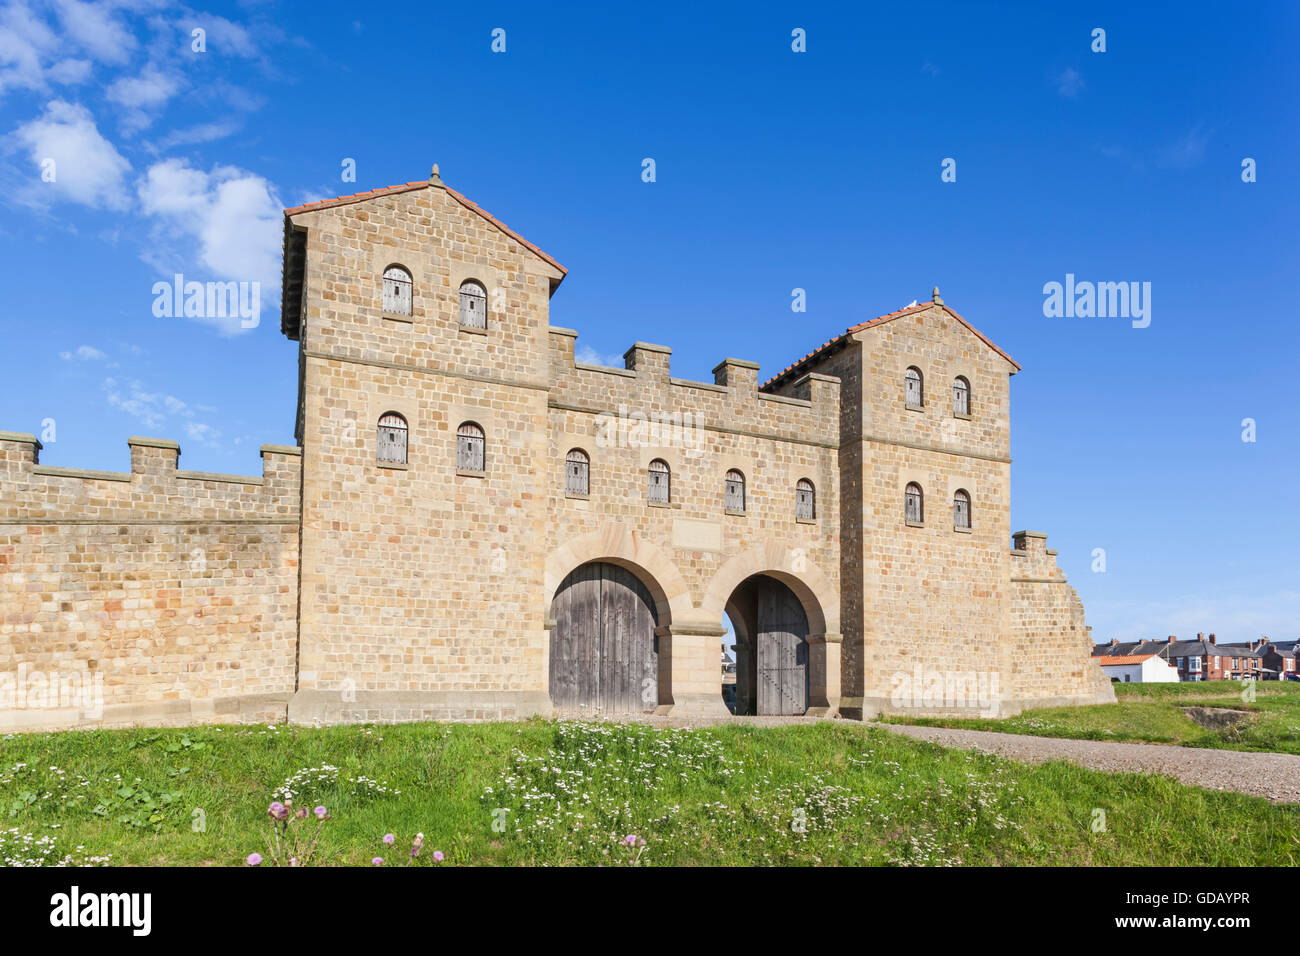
x=1171 y=638
x=1214 y=639
x=1200 y=635
x=1263 y=640
x=1114 y=642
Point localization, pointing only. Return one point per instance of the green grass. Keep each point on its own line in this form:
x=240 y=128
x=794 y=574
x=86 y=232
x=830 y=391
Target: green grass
x=825 y=793
x=1153 y=713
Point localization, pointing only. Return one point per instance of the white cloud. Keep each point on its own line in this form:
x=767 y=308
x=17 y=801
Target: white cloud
x=203 y=434
x=1069 y=83
x=94 y=27
x=590 y=356
x=87 y=167
x=157 y=409
x=223 y=36
x=141 y=94
x=193 y=135
x=234 y=215
x=71 y=71
x=25 y=41
x=84 y=353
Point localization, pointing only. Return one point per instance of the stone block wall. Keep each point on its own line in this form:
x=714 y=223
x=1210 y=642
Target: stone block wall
x=1053 y=662
x=155 y=596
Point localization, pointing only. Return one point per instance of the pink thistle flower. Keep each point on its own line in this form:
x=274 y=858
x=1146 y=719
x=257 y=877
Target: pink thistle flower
x=389 y=839
x=320 y=813
x=437 y=855
x=253 y=859
x=377 y=861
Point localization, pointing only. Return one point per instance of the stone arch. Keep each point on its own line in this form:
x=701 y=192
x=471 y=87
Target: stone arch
x=789 y=565
x=816 y=594
x=628 y=549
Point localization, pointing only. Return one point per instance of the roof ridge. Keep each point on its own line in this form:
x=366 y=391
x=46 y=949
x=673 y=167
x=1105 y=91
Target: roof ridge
x=424 y=184
x=880 y=320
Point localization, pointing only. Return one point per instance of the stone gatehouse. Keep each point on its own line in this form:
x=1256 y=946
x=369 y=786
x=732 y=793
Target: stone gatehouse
x=475 y=525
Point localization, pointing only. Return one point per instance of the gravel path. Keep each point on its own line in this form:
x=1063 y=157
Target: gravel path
x=1275 y=777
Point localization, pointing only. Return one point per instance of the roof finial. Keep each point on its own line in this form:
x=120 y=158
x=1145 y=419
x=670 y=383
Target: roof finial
x=434 y=177
x=936 y=297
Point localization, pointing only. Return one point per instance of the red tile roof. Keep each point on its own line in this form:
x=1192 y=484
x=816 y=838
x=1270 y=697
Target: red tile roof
x=881 y=320
x=423 y=184
x=1130 y=659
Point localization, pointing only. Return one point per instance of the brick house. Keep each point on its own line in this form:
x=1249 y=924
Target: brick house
x=475 y=523
x=1206 y=659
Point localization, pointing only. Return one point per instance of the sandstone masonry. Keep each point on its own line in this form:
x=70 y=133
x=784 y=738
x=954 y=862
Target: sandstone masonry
x=354 y=582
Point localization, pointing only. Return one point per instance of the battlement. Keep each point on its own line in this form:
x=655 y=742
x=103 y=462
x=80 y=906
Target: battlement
x=1032 y=560
x=155 y=488
x=809 y=411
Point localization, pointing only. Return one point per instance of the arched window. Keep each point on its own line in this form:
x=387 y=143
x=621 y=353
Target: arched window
x=734 y=491
x=473 y=305
x=804 y=499
x=961 y=509
x=577 y=473
x=397 y=290
x=913 y=393
x=961 y=396
x=469 y=448
x=392 y=438
x=660 y=481
x=914 y=507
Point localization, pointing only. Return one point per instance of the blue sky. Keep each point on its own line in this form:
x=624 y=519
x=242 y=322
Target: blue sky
x=774 y=170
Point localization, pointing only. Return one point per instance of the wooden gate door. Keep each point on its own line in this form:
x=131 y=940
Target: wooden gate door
x=782 y=678
x=603 y=649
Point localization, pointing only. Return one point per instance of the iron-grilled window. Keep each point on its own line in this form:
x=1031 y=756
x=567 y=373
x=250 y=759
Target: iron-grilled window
x=961 y=510
x=392 y=438
x=469 y=448
x=804 y=499
x=397 y=291
x=577 y=473
x=914 y=394
x=473 y=305
x=960 y=396
x=735 y=491
x=915 y=506
x=660 y=481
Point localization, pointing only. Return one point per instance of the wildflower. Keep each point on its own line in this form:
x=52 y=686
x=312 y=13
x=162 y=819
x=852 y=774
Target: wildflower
x=417 y=844
x=389 y=838
x=377 y=861
x=278 y=811
x=253 y=859
x=320 y=813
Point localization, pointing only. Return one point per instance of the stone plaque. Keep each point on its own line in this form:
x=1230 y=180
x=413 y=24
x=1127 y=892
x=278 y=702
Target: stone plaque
x=694 y=535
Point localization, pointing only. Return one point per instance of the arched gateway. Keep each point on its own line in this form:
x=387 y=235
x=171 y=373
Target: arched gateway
x=772 y=648
x=604 y=653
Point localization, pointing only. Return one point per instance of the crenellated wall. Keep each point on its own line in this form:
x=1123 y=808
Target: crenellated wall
x=155 y=596
x=1053 y=663
x=625 y=418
